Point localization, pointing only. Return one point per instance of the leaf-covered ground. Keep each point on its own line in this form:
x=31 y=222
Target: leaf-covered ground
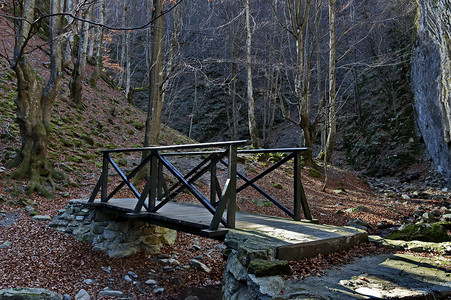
x=38 y=256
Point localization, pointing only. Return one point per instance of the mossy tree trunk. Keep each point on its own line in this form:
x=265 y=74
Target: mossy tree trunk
x=35 y=100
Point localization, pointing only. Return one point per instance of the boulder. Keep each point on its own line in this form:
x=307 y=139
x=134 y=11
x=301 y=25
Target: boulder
x=261 y=267
x=29 y=294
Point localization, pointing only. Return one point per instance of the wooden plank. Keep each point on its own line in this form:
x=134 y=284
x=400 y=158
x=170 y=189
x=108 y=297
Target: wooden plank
x=96 y=190
x=124 y=178
x=273 y=150
x=264 y=173
x=223 y=201
x=178 y=147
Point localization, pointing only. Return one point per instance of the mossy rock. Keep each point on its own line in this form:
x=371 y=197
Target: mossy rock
x=421 y=232
x=315 y=173
x=29 y=293
x=261 y=267
x=75 y=158
x=138 y=125
x=278 y=186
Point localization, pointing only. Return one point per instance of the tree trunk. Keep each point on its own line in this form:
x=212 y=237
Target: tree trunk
x=35 y=101
x=99 y=42
x=76 y=81
x=302 y=85
x=332 y=124
x=123 y=46
x=250 y=92
x=153 y=120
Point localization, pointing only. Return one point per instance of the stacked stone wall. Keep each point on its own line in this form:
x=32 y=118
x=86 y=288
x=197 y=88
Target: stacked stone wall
x=113 y=235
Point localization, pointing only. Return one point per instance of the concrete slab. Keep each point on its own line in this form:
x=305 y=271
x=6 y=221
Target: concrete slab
x=294 y=240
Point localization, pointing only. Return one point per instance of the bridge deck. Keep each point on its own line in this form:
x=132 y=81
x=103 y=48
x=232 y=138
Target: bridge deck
x=293 y=239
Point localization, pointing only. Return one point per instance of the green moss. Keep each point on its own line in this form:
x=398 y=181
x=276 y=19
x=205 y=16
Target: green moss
x=122 y=161
x=277 y=186
x=421 y=232
x=261 y=267
x=138 y=125
x=87 y=139
x=315 y=173
x=75 y=158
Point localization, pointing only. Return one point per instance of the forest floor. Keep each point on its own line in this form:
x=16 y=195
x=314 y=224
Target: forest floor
x=34 y=255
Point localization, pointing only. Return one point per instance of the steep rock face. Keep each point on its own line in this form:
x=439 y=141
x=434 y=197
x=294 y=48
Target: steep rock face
x=431 y=80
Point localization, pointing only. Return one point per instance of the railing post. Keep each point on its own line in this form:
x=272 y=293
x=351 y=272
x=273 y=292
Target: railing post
x=154 y=174
x=213 y=182
x=104 y=192
x=231 y=208
x=160 y=179
x=300 y=200
x=296 y=186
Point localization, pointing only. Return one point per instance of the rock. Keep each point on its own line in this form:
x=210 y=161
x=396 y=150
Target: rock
x=359 y=223
x=195 y=247
x=428 y=218
x=42 y=218
x=420 y=232
x=268 y=287
x=158 y=290
x=82 y=295
x=151 y=282
x=107 y=269
x=133 y=274
x=405 y=197
x=66 y=297
x=168 y=261
x=384 y=224
x=430 y=69
x=88 y=281
x=31 y=211
x=446 y=217
x=339 y=191
x=111 y=293
x=363 y=208
x=128 y=278
x=261 y=267
x=201 y=266
x=5 y=245
x=29 y=294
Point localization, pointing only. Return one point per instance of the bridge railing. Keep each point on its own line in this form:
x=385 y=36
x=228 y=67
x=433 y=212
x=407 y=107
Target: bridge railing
x=156 y=193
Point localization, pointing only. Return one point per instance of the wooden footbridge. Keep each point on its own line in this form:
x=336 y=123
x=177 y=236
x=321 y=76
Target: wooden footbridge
x=156 y=203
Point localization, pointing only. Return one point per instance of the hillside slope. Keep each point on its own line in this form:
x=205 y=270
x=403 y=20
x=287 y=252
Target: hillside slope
x=33 y=255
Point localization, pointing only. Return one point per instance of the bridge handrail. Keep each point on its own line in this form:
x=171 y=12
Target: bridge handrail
x=153 y=189
x=179 y=147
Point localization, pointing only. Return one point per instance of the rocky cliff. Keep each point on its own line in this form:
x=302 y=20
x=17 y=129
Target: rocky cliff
x=431 y=80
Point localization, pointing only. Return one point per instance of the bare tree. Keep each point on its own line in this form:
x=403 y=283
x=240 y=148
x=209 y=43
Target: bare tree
x=76 y=81
x=153 y=120
x=250 y=90
x=99 y=41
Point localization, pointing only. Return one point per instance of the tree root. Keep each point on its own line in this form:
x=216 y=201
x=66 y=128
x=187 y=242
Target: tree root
x=42 y=180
